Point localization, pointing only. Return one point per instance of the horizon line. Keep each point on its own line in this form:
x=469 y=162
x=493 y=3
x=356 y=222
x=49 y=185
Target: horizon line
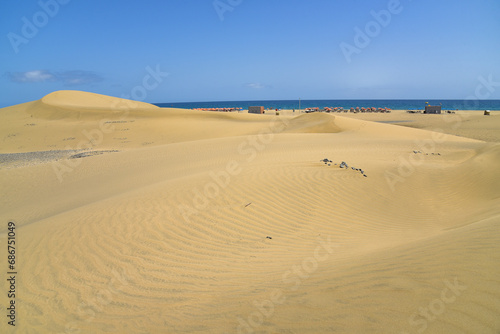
x=378 y=99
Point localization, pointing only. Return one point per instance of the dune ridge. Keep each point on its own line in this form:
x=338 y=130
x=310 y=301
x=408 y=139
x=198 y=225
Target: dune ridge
x=232 y=223
x=91 y=101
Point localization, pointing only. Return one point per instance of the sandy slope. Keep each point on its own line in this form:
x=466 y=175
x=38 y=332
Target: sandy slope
x=464 y=123
x=170 y=233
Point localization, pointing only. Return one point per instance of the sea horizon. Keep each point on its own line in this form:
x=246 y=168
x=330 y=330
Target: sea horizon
x=395 y=104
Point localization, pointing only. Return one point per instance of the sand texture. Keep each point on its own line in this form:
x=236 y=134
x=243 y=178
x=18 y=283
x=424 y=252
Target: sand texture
x=137 y=219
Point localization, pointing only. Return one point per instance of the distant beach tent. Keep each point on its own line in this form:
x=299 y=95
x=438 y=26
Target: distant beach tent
x=487 y=113
x=255 y=110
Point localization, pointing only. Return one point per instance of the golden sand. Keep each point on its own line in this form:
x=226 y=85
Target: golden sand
x=137 y=219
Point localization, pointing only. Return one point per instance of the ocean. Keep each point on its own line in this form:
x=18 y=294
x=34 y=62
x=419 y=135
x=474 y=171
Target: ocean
x=294 y=104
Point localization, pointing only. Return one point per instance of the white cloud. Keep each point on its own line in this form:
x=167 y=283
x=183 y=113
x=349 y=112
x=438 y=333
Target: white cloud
x=257 y=85
x=32 y=76
x=69 y=78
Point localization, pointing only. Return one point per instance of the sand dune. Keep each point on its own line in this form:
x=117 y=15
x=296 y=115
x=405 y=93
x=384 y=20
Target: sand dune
x=467 y=123
x=200 y=222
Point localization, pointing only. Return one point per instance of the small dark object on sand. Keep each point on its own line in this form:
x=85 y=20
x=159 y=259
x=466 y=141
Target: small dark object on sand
x=268 y=237
x=248 y=204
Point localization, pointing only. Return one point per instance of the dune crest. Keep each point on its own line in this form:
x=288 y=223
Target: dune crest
x=313 y=123
x=86 y=100
x=70 y=104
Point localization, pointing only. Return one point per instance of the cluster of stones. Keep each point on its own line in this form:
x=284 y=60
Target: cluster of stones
x=417 y=152
x=343 y=164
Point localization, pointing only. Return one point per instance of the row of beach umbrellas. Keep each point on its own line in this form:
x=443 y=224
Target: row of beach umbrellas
x=355 y=110
x=220 y=109
x=326 y=109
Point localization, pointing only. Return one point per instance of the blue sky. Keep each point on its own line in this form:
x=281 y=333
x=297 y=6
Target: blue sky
x=210 y=50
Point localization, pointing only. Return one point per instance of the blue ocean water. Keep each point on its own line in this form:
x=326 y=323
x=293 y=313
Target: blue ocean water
x=294 y=104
